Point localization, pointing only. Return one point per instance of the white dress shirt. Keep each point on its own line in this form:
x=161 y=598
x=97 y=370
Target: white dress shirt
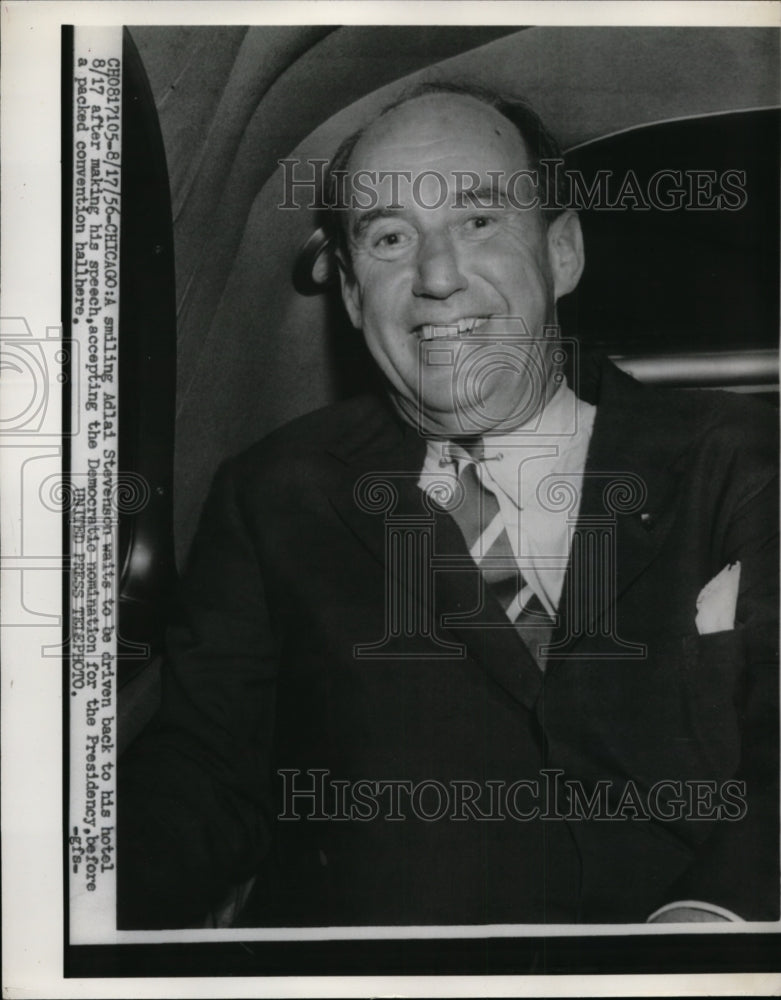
x=520 y=469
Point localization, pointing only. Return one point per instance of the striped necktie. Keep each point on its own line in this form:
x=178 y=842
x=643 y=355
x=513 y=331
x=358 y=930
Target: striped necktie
x=479 y=518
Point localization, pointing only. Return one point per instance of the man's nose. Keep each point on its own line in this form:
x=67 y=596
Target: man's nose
x=438 y=274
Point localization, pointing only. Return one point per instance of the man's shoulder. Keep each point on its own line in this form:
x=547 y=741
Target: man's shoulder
x=317 y=441
x=692 y=416
x=730 y=420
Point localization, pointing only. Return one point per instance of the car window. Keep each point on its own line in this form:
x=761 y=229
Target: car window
x=701 y=275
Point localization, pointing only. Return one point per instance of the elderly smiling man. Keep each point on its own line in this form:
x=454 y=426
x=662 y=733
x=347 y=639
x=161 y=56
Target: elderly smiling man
x=496 y=647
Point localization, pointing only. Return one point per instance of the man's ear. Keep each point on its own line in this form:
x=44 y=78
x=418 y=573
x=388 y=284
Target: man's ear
x=351 y=295
x=565 y=252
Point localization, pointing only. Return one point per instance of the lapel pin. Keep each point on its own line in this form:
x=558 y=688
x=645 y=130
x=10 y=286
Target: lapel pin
x=647 y=521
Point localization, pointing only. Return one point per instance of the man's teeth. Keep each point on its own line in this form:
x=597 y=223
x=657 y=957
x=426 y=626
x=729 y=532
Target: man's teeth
x=456 y=328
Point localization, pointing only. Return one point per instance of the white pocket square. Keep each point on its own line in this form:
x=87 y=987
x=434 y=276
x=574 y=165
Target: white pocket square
x=717 y=601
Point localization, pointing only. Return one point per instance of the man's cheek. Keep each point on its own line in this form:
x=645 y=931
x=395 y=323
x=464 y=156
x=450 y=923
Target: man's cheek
x=368 y=275
x=385 y=295
x=516 y=250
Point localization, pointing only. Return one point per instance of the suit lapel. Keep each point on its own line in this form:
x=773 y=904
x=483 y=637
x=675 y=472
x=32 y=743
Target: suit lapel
x=471 y=612
x=627 y=506
x=378 y=500
x=626 y=509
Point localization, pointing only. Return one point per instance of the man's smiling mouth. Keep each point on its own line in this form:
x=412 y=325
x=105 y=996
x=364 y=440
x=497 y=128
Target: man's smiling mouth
x=460 y=327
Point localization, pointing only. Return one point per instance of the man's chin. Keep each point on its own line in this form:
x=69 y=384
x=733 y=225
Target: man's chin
x=443 y=421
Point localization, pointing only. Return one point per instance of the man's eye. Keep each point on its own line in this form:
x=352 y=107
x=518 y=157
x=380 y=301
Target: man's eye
x=480 y=225
x=390 y=244
x=389 y=240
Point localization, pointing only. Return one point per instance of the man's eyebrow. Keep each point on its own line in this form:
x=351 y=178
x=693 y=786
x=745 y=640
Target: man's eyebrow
x=487 y=195
x=365 y=219
x=491 y=195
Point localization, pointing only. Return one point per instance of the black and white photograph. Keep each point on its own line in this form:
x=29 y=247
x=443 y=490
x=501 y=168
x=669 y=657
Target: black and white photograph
x=410 y=425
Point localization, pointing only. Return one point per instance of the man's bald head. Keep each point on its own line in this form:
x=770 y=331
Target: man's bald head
x=540 y=147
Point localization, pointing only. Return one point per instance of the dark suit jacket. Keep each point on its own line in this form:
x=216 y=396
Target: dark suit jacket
x=290 y=571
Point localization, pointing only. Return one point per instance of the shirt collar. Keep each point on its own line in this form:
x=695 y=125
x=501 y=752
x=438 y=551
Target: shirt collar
x=564 y=424
x=558 y=419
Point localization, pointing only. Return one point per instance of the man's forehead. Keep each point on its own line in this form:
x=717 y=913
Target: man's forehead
x=440 y=131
